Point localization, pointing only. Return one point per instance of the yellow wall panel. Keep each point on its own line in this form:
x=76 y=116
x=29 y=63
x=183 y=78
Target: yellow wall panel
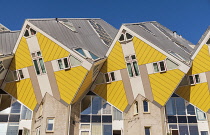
x=50 y=50
x=197 y=94
x=69 y=82
x=145 y=53
x=23 y=91
x=164 y=84
x=115 y=60
x=114 y=93
x=22 y=56
x=202 y=61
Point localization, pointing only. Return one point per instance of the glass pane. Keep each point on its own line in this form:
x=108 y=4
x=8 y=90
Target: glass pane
x=12 y=129
x=96 y=129
x=200 y=115
x=42 y=65
x=96 y=105
x=26 y=33
x=86 y=105
x=16 y=107
x=145 y=103
x=15 y=75
x=93 y=56
x=204 y=132
x=170 y=64
x=85 y=118
x=33 y=32
x=26 y=113
x=36 y=67
x=191 y=80
x=39 y=53
x=50 y=124
x=192 y=119
x=4 y=118
x=155 y=65
x=80 y=51
x=66 y=63
x=96 y=118
x=121 y=37
x=107 y=119
x=21 y=74
x=130 y=69
x=180 y=106
x=136 y=68
x=60 y=63
x=172 y=119
x=14 y=118
x=107 y=129
x=190 y=109
x=112 y=76
x=182 y=119
x=147 y=131
x=170 y=107
x=133 y=57
x=107 y=77
x=106 y=108
x=128 y=36
x=197 y=79
x=172 y=126
x=74 y=61
x=162 y=66
x=183 y=129
x=117 y=115
x=3 y=127
x=85 y=126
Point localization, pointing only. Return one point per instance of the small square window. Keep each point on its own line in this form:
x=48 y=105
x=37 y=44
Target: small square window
x=63 y=63
x=159 y=66
x=194 y=79
x=50 y=125
x=109 y=77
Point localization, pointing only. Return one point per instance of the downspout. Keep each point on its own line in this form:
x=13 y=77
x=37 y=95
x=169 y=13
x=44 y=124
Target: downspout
x=69 y=121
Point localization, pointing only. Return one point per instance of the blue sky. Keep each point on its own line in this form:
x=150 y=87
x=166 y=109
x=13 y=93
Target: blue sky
x=190 y=18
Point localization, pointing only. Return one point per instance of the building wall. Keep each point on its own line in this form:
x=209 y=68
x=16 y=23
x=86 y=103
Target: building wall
x=54 y=109
x=134 y=123
x=75 y=118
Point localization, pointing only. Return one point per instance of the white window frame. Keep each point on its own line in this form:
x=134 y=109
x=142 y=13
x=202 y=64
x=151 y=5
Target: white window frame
x=48 y=118
x=38 y=130
x=28 y=28
x=62 y=60
x=159 y=68
x=36 y=57
x=84 y=130
x=125 y=38
x=194 y=79
x=109 y=77
x=132 y=66
x=18 y=75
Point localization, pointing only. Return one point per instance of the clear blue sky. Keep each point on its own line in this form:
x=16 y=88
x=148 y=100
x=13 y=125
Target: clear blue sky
x=190 y=18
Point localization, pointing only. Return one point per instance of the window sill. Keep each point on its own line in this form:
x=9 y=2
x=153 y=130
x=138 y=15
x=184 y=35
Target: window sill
x=146 y=112
x=135 y=114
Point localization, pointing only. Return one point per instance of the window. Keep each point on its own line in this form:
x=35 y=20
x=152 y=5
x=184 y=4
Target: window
x=146 y=106
x=63 y=63
x=204 y=132
x=132 y=65
x=50 y=125
x=87 y=54
x=18 y=75
x=208 y=42
x=109 y=77
x=159 y=66
x=38 y=131
x=194 y=79
x=136 y=108
x=1 y=67
x=125 y=36
x=38 y=63
x=147 y=130
x=29 y=31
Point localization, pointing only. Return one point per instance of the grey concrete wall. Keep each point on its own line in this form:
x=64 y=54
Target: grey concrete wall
x=51 y=108
x=75 y=118
x=155 y=119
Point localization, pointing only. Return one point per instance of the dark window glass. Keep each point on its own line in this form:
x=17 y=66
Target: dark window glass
x=21 y=74
x=190 y=109
x=3 y=118
x=183 y=129
x=193 y=129
x=122 y=37
x=174 y=126
x=191 y=80
x=145 y=103
x=170 y=107
x=162 y=66
x=33 y=32
x=147 y=130
x=96 y=118
x=42 y=65
x=66 y=63
x=26 y=33
x=12 y=129
x=128 y=36
x=112 y=76
x=85 y=118
x=107 y=129
x=107 y=119
x=172 y=119
x=180 y=106
x=136 y=68
x=16 y=107
x=107 y=77
x=182 y=119
x=197 y=79
x=14 y=118
x=208 y=42
x=174 y=95
x=204 y=132
x=133 y=57
x=36 y=67
x=96 y=105
x=130 y=69
x=192 y=119
x=15 y=75
x=80 y=51
x=93 y=55
x=39 y=53
x=155 y=65
x=20 y=132
x=60 y=63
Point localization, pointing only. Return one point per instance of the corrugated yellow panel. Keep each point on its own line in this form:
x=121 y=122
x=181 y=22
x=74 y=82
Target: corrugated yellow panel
x=85 y=84
x=23 y=91
x=69 y=82
x=50 y=50
x=196 y=94
x=164 y=84
x=22 y=56
x=202 y=61
x=114 y=93
x=115 y=60
x=145 y=53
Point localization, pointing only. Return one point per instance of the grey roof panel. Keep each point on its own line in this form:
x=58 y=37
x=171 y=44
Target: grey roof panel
x=8 y=41
x=84 y=37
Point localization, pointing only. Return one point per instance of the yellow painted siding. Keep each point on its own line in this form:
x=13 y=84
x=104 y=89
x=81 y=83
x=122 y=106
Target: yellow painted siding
x=114 y=93
x=69 y=82
x=145 y=53
x=22 y=56
x=197 y=94
x=115 y=60
x=202 y=61
x=50 y=50
x=23 y=91
x=164 y=84
x=86 y=83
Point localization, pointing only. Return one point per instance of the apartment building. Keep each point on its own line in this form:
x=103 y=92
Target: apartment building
x=82 y=76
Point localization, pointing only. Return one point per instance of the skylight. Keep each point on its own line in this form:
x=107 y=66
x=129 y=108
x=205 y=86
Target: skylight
x=68 y=25
x=87 y=54
x=179 y=57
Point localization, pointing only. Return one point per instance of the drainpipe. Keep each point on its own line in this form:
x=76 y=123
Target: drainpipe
x=69 y=121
